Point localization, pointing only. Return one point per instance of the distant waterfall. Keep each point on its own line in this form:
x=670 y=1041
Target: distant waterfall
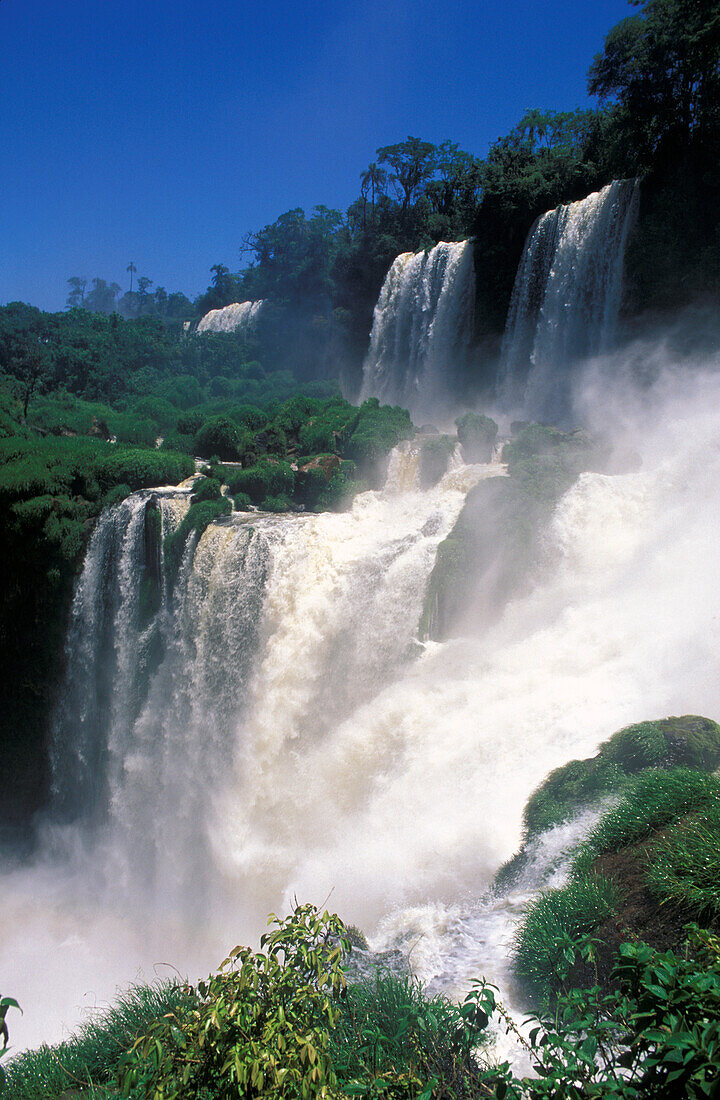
x=566 y=298
x=238 y=317
x=422 y=327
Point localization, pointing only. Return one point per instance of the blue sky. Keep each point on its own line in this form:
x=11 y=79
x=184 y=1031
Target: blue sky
x=161 y=131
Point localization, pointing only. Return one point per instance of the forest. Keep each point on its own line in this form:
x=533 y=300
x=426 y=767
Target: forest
x=618 y=967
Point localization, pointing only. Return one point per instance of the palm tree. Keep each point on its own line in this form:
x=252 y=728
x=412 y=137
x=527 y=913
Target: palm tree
x=372 y=180
x=133 y=270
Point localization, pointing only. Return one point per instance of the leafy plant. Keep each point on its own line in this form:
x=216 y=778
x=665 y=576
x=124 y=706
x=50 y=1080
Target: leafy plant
x=5 y=1004
x=261 y=1023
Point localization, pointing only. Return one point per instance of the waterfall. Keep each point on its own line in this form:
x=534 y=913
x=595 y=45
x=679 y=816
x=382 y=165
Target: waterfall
x=566 y=298
x=172 y=683
x=238 y=317
x=422 y=328
x=267 y=724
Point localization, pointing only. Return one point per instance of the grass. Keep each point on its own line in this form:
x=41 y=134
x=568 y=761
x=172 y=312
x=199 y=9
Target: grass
x=651 y=801
x=87 y=1061
x=684 y=867
x=690 y=741
x=390 y=1028
x=543 y=947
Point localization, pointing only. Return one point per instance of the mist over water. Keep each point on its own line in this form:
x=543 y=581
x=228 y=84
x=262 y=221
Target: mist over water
x=274 y=729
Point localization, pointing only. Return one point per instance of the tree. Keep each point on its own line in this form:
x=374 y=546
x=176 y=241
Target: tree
x=133 y=270
x=373 y=179
x=76 y=297
x=661 y=70
x=413 y=163
x=33 y=368
x=102 y=298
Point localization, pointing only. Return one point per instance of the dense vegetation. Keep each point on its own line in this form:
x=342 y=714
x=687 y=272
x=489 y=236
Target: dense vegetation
x=284 y=1022
x=646 y=868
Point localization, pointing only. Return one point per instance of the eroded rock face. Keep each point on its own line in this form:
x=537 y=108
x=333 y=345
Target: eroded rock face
x=327 y=464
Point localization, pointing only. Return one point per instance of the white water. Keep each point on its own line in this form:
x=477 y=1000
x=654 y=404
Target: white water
x=238 y=317
x=422 y=328
x=295 y=739
x=566 y=298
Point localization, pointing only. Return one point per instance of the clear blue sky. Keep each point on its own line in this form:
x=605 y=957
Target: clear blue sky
x=161 y=131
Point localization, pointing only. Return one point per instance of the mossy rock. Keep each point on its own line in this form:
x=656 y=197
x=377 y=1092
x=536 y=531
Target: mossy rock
x=690 y=740
x=434 y=457
x=477 y=434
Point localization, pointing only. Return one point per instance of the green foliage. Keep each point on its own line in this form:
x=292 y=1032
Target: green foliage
x=567 y=789
x=261 y=1023
x=378 y=430
x=684 y=867
x=91 y=1056
x=198 y=517
x=207 y=488
x=394 y=1040
x=691 y=741
x=5 y=1004
x=544 y=942
x=218 y=436
x=262 y=480
x=650 y=801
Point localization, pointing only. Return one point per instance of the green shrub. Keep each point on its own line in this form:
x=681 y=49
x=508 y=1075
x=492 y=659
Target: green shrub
x=277 y=504
x=218 y=436
x=650 y=801
x=543 y=944
x=690 y=740
x=684 y=867
x=262 y=480
x=477 y=434
x=197 y=518
x=261 y=1025
x=435 y=454
x=90 y=1058
x=191 y=422
x=394 y=1040
x=242 y=502
x=207 y=488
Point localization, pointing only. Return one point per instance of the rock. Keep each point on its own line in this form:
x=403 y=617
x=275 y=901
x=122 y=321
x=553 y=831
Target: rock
x=328 y=464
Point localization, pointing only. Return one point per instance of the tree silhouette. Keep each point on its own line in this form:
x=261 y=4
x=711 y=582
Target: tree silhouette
x=133 y=271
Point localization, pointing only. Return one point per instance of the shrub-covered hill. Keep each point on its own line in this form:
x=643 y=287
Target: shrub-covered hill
x=647 y=868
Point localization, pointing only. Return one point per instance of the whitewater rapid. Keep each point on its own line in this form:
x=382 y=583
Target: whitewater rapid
x=354 y=764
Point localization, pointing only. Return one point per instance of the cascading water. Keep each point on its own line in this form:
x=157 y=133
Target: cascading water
x=238 y=317
x=287 y=735
x=422 y=328
x=566 y=299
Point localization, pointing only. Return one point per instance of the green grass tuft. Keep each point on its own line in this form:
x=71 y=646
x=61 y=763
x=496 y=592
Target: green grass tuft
x=543 y=946
x=88 y=1059
x=651 y=801
x=684 y=868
